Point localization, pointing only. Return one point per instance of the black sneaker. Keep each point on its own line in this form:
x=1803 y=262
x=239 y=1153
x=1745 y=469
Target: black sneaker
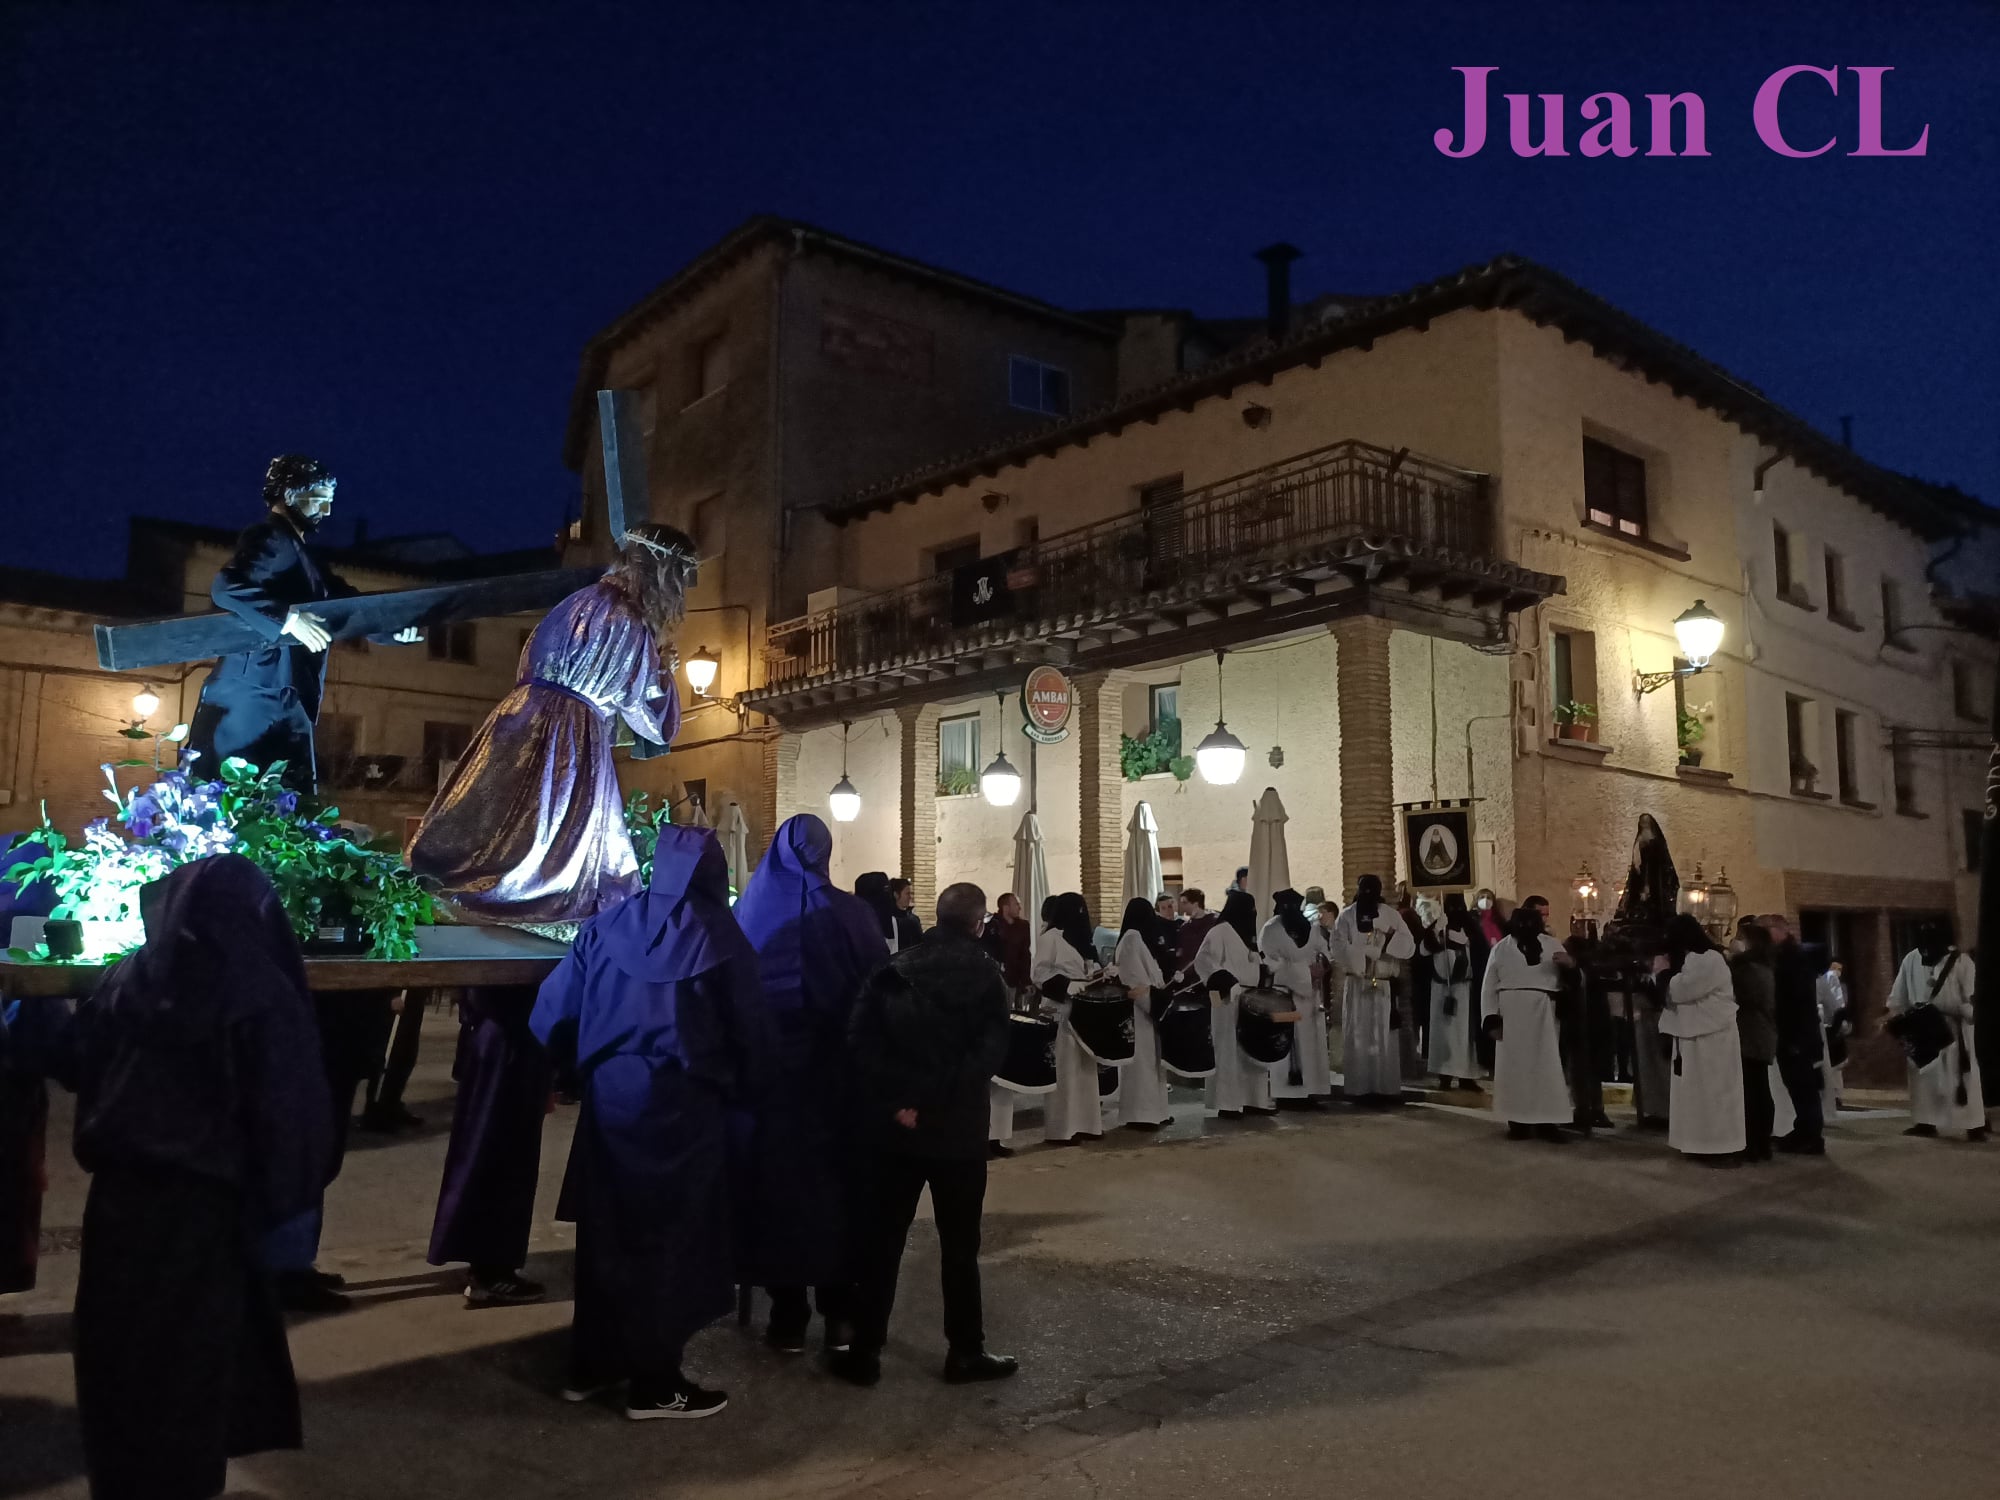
x=308 y=1292
x=1923 y=1130
x=785 y=1340
x=855 y=1366
x=1800 y=1145
x=580 y=1387
x=964 y=1369
x=998 y=1150
x=1553 y=1134
x=509 y=1290
x=1977 y=1135
x=685 y=1402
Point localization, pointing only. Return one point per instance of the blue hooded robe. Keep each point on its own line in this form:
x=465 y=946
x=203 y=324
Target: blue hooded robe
x=657 y=1003
x=816 y=946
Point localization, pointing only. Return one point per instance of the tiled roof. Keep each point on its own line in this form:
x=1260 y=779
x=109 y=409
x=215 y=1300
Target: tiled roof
x=1511 y=282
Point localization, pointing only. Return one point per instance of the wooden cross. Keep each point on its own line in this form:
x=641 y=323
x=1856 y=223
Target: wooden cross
x=184 y=638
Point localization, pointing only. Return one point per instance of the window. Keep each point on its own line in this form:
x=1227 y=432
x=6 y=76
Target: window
x=948 y=560
x=1172 y=875
x=1804 y=774
x=709 y=370
x=1163 y=701
x=958 y=756
x=1903 y=771
x=1572 y=674
x=1781 y=563
x=1614 y=488
x=1974 y=824
x=1846 y=777
x=1892 y=611
x=444 y=744
x=1964 y=697
x=1836 y=588
x=694 y=791
x=1034 y=386
x=457 y=642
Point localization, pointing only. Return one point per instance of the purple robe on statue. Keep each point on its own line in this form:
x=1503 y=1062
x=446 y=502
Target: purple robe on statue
x=24 y=1098
x=486 y=1207
x=657 y=1002
x=531 y=825
x=816 y=945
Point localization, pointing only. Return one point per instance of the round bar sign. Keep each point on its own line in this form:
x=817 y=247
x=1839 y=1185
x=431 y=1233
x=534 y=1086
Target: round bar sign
x=1047 y=700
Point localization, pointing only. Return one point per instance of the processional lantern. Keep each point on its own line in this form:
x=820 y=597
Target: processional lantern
x=1721 y=904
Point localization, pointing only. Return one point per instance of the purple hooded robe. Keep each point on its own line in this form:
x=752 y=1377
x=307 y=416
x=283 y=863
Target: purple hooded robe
x=657 y=1004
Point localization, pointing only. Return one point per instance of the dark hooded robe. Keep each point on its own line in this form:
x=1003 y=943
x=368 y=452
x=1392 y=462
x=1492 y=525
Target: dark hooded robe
x=872 y=887
x=202 y=1115
x=816 y=946
x=657 y=1003
x=1652 y=888
x=24 y=1097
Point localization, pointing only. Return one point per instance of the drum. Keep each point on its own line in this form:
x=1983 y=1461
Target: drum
x=1187 y=1038
x=1264 y=1020
x=1108 y=1080
x=1030 y=1066
x=1101 y=1016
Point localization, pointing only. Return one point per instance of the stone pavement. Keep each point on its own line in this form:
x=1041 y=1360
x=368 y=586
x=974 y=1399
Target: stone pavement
x=1346 y=1302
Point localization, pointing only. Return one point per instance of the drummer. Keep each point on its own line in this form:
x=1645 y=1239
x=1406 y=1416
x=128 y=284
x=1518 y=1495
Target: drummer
x=1142 y=1090
x=1225 y=964
x=1066 y=960
x=1289 y=947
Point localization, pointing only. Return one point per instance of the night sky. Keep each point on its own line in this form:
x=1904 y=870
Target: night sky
x=382 y=235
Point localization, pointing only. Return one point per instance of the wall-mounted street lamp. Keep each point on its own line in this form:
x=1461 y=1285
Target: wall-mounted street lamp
x=844 y=802
x=1000 y=783
x=1698 y=629
x=701 y=670
x=1220 y=757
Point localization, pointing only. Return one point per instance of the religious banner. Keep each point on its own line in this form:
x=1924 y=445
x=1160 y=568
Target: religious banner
x=979 y=591
x=1047 y=700
x=1437 y=838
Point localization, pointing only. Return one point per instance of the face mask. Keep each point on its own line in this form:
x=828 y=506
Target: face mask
x=1739 y=946
x=1485 y=902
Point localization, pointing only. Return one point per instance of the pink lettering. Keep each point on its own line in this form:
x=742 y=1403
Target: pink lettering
x=1552 y=126
x=1473 y=131
x=1765 y=111
x=1871 y=119
x=1610 y=136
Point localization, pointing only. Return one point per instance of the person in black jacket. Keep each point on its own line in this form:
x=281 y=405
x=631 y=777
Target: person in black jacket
x=1801 y=1044
x=928 y=1033
x=261 y=704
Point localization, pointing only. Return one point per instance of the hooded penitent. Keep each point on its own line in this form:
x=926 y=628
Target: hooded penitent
x=1651 y=886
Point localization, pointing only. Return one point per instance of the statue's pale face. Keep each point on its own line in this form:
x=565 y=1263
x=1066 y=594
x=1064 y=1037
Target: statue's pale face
x=315 y=502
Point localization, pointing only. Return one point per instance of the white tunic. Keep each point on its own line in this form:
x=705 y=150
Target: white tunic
x=1291 y=970
x=1934 y=1089
x=1832 y=992
x=1074 y=1108
x=1528 y=1087
x=1706 y=1115
x=1454 y=1050
x=1142 y=1083
x=1371 y=1060
x=1238 y=1082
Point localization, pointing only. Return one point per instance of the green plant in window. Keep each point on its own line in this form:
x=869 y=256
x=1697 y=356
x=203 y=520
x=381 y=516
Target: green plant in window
x=1148 y=753
x=959 y=781
x=1569 y=711
x=1182 y=767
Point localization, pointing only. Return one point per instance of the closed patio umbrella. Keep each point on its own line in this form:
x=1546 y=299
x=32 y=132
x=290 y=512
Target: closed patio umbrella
x=1031 y=873
x=734 y=831
x=1142 y=854
x=1270 y=865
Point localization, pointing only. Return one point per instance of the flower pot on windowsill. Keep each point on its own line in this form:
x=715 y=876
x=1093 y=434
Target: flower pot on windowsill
x=1690 y=756
x=1576 y=730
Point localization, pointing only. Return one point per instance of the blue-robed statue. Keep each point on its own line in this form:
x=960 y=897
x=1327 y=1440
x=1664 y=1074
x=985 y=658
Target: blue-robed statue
x=816 y=946
x=657 y=1004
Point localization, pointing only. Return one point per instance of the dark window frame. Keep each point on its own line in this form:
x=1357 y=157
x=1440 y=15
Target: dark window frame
x=1615 y=490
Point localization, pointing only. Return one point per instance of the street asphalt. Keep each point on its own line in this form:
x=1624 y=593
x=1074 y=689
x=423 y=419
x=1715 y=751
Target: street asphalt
x=1334 y=1303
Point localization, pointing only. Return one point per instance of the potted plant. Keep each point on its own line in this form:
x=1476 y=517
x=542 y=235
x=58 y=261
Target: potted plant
x=1576 y=721
x=959 y=781
x=1689 y=730
x=1805 y=775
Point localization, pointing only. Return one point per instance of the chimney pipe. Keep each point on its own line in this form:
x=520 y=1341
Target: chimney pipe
x=1847 y=432
x=1277 y=261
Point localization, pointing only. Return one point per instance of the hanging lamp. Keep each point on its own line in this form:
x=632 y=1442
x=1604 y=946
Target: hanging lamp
x=1000 y=783
x=1220 y=757
x=844 y=801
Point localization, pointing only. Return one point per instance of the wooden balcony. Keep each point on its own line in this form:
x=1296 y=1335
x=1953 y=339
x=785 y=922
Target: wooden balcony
x=1346 y=529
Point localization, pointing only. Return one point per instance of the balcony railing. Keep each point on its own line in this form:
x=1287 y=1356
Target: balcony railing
x=1305 y=504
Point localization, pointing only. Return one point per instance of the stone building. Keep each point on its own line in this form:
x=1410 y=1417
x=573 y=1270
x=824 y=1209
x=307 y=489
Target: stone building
x=1416 y=528
x=392 y=714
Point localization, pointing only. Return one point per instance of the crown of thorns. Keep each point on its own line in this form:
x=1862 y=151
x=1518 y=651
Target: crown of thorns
x=667 y=550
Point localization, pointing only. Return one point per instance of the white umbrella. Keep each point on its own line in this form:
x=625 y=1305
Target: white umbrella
x=1031 y=871
x=1270 y=865
x=734 y=832
x=1142 y=854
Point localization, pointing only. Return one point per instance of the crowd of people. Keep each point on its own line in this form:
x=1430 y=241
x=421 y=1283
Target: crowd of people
x=767 y=1091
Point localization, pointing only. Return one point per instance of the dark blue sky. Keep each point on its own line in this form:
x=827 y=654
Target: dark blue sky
x=382 y=235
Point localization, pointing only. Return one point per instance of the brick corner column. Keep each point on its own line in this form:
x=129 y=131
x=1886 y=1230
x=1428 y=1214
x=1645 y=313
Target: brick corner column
x=1100 y=715
x=918 y=790
x=781 y=781
x=1367 y=754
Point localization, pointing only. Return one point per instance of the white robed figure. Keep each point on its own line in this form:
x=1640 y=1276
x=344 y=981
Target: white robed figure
x=1371 y=942
x=1142 y=1086
x=1226 y=966
x=1945 y=1094
x=1065 y=961
x=1289 y=947
x=1454 y=1046
x=1831 y=992
x=1523 y=975
x=1705 y=1111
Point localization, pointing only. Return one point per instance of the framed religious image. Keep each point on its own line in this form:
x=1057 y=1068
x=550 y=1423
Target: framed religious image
x=1437 y=837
